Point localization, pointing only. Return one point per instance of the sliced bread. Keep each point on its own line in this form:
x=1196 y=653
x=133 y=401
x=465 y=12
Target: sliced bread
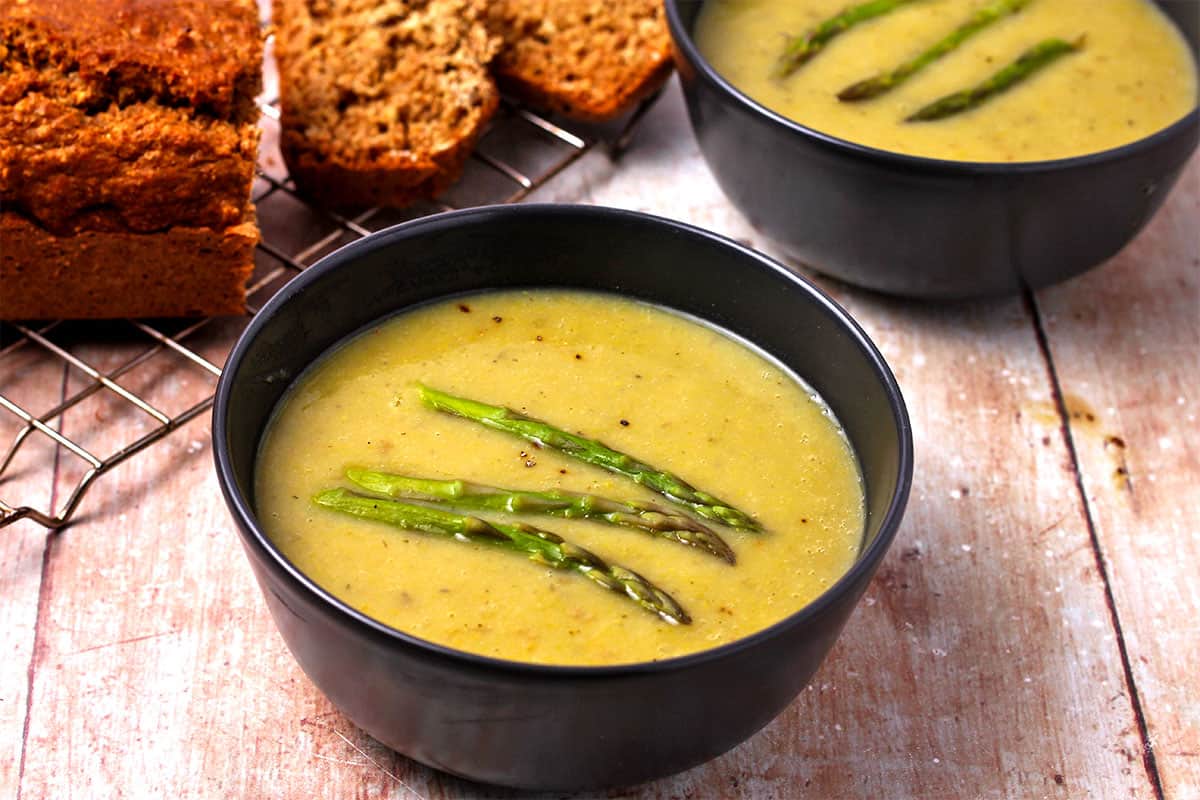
x=587 y=59
x=382 y=100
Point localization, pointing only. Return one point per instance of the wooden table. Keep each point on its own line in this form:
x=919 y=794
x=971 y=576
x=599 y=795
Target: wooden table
x=1033 y=632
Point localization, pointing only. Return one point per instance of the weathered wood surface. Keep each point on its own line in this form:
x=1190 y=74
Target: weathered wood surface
x=985 y=660
x=34 y=384
x=1126 y=346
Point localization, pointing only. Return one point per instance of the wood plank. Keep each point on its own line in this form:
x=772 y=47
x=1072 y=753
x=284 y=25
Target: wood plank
x=1125 y=340
x=21 y=550
x=34 y=382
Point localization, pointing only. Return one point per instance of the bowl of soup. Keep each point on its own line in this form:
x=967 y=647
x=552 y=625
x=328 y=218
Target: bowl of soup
x=1000 y=145
x=559 y=497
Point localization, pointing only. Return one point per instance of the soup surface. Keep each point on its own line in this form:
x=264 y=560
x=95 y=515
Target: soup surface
x=1133 y=76
x=661 y=387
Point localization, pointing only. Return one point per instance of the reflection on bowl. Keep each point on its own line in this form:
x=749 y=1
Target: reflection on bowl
x=538 y=726
x=918 y=226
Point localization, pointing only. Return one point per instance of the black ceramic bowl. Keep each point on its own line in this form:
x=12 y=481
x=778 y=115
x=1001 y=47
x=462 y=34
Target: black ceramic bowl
x=552 y=727
x=925 y=227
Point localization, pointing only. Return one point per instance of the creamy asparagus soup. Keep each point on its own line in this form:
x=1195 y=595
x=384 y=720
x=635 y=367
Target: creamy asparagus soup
x=971 y=80
x=692 y=491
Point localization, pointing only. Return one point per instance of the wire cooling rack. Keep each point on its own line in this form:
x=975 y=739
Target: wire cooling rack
x=120 y=379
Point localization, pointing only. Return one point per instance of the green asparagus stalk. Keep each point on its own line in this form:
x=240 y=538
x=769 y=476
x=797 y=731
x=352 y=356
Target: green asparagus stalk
x=803 y=47
x=592 y=452
x=542 y=547
x=983 y=17
x=1035 y=58
x=462 y=494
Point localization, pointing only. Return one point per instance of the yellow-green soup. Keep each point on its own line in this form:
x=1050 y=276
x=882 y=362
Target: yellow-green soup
x=1133 y=76
x=661 y=387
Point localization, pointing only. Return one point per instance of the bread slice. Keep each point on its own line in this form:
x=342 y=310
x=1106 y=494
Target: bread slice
x=591 y=60
x=382 y=100
x=113 y=272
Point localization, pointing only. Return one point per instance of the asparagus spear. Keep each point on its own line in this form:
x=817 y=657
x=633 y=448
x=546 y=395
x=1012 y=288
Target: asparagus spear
x=803 y=47
x=542 y=547
x=1035 y=58
x=540 y=433
x=997 y=9
x=462 y=494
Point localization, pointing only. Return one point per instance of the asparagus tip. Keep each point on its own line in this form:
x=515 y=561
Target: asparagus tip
x=863 y=90
x=326 y=497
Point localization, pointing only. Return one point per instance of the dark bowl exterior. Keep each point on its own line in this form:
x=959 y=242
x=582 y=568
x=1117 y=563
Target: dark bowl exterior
x=544 y=727
x=924 y=227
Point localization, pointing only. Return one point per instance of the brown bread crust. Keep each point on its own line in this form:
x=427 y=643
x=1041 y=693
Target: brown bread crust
x=591 y=60
x=180 y=272
x=382 y=100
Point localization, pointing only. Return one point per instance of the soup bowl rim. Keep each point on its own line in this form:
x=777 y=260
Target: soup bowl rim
x=242 y=507
x=685 y=43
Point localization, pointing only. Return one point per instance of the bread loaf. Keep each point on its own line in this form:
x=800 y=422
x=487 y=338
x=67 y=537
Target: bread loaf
x=382 y=100
x=128 y=135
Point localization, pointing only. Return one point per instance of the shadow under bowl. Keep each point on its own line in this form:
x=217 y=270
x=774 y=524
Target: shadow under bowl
x=925 y=227
x=537 y=726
